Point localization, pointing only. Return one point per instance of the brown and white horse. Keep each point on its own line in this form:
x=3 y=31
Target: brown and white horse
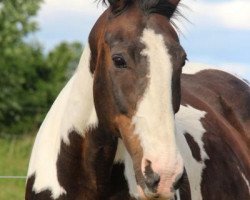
x=112 y=132
x=213 y=135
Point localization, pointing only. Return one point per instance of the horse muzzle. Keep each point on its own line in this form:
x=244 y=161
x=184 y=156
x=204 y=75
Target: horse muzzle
x=162 y=181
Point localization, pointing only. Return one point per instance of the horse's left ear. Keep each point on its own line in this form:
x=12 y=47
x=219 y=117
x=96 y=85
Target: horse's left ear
x=118 y=5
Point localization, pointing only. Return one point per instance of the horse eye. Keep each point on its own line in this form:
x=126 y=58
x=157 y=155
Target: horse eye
x=184 y=62
x=119 y=61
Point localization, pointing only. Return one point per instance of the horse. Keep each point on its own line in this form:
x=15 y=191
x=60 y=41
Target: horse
x=213 y=131
x=130 y=125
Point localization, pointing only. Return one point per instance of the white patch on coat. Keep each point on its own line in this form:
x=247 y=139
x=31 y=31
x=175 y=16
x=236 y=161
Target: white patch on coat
x=188 y=121
x=120 y=152
x=154 y=119
x=122 y=156
x=245 y=179
x=73 y=109
x=130 y=176
x=178 y=197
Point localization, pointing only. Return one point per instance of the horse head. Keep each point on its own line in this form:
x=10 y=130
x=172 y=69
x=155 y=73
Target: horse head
x=136 y=62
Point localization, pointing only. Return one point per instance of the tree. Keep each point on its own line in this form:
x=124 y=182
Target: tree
x=30 y=80
x=15 y=23
x=62 y=61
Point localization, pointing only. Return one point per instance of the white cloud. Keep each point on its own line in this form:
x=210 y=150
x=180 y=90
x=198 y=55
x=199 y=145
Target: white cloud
x=240 y=70
x=57 y=10
x=89 y=7
x=233 y=14
x=67 y=20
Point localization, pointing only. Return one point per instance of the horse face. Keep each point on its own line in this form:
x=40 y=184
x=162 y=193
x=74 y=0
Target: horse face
x=137 y=62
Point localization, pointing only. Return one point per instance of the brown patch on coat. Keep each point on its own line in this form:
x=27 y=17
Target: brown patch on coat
x=133 y=146
x=86 y=171
x=31 y=195
x=221 y=178
x=194 y=147
x=184 y=188
x=225 y=99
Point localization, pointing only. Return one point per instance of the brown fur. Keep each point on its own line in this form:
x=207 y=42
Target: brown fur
x=226 y=101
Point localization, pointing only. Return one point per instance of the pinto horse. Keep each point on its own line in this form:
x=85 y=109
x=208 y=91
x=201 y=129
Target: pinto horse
x=113 y=132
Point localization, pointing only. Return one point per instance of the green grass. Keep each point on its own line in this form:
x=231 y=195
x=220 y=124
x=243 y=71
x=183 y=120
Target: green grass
x=14 y=158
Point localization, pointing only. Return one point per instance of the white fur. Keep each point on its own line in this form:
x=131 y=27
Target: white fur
x=154 y=119
x=73 y=109
x=130 y=176
x=245 y=179
x=178 y=197
x=120 y=152
x=122 y=156
x=188 y=121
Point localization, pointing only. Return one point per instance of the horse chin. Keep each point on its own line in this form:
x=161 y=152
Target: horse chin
x=150 y=195
x=147 y=194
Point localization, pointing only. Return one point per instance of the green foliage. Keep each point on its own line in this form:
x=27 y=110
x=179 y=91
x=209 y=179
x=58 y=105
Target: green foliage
x=16 y=21
x=30 y=83
x=30 y=80
x=62 y=61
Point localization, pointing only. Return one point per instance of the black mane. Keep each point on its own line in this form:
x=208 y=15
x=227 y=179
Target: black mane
x=162 y=7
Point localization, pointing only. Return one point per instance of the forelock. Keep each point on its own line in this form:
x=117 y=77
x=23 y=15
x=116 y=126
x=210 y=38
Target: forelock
x=162 y=7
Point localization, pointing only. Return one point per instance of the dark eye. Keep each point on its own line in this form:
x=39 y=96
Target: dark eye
x=184 y=62
x=119 y=61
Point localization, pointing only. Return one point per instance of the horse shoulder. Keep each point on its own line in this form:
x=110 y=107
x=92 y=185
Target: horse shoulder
x=213 y=132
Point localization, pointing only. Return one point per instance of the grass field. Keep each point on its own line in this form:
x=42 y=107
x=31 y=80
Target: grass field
x=14 y=157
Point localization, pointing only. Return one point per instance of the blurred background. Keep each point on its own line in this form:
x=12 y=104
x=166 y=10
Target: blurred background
x=40 y=46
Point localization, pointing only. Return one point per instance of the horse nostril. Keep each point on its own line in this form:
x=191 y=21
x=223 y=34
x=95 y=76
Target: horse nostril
x=152 y=181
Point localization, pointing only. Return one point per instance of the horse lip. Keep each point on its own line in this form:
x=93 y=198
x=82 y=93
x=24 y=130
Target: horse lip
x=154 y=195
x=150 y=194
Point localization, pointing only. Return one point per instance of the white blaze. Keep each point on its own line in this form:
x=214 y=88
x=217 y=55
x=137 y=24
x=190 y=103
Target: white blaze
x=154 y=119
x=73 y=109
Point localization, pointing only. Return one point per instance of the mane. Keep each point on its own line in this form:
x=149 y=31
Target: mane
x=165 y=8
x=162 y=7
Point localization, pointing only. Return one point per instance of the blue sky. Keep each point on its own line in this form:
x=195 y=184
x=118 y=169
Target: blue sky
x=218 y=32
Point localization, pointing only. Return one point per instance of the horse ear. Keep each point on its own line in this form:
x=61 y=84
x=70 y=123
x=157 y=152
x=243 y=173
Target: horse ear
x=118 y=5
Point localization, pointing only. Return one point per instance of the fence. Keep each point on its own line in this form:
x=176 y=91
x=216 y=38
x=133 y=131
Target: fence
x=13 y=177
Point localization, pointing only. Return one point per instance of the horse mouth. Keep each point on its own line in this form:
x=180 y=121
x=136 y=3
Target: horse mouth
x=151 y=195
x=156 y=196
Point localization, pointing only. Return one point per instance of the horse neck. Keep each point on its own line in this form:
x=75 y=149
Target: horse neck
x=73 y=110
